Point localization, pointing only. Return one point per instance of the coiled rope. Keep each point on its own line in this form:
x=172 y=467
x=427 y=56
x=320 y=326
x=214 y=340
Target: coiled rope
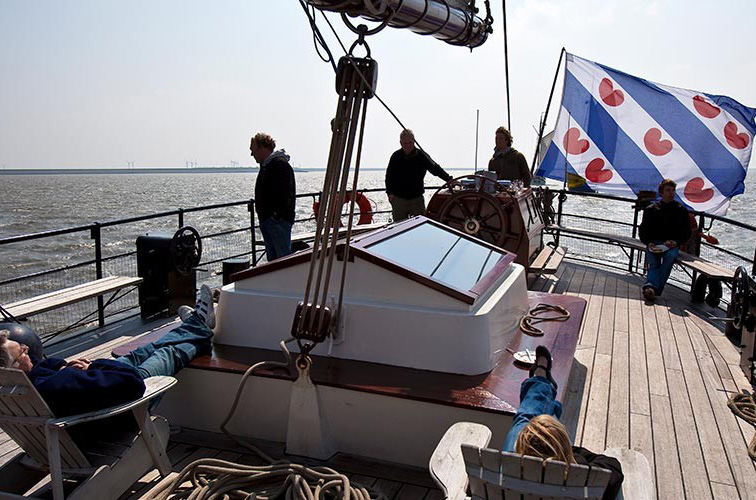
x=743 y=405
x=211 y=478
x=536 y=315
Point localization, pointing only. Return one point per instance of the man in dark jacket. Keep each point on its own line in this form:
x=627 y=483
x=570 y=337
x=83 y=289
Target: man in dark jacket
x=275 y=193
x=665 y=226
x=405 y=177
x=508 y=163
x=81 y=386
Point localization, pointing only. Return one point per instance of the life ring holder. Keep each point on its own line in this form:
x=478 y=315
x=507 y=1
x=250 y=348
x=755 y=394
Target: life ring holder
x=362 y=201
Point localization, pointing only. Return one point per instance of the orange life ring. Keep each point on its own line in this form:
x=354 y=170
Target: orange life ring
x=362 y=201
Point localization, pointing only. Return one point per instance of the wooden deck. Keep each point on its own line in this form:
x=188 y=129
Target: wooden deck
x=655 y=378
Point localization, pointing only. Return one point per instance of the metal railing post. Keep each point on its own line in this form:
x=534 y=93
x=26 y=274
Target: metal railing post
x=562 y=199
x=253 y=235
x=96 y=234
x=181 y=217
x=635 y=233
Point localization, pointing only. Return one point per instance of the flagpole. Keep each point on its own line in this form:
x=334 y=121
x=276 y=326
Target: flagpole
x=546 y=115
x=477 y=123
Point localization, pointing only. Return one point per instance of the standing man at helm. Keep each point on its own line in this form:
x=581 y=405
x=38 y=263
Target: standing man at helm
x=508 y=163
x=275 y=193
x=405 y=178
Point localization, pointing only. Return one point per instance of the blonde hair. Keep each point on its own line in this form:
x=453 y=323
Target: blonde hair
x=6 y=360
x=263 y=140
x=545 y=437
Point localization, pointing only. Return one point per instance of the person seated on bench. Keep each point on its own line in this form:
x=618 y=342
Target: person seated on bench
x=81 y=385
x=665 y=227
x=536 y=432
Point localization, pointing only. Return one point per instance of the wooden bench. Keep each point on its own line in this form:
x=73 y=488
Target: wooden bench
x=684 y=259
x=59 y=298
x=547 y=261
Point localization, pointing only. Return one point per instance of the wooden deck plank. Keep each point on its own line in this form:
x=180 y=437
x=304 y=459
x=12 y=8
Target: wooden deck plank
x=605 y=339
x=705 y=423
x=668 y=473
x=589 y=332
x=577 y=391
x=724 y=491
x=388 y=487
x=657 y=383
x=732 y=439
x=594 y=433
x=639 y=392
x=641 y=436
x=666 y=337
x=564 y=280
x=695 y=477
x=411 y=492
x=622 y=307
x=618 y=418
x=176 y=455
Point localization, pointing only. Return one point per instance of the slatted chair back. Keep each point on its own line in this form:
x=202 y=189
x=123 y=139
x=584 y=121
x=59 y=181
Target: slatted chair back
x=23 y=414
x=498 y=475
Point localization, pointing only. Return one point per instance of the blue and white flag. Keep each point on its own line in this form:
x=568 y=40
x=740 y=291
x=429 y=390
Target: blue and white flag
x=619 y=134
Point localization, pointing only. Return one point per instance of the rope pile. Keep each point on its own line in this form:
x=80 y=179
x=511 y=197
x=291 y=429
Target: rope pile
x=743 y=405
x=536 y=315
x=211 y=478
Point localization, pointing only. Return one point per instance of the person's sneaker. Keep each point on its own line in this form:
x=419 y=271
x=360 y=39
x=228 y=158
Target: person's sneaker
x=205 y=308
x=649 y=294
x=184 y=312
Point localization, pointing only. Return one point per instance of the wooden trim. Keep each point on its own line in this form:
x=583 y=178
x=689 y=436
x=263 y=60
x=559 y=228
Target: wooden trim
x=494 y=392
x=491 y=276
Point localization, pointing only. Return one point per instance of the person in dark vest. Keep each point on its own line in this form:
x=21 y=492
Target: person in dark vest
x=508 y=163
x=405 y=178
x=275 y=194
x=664 y=229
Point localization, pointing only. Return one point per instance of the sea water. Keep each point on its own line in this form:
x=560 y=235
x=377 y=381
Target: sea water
x=36 y=203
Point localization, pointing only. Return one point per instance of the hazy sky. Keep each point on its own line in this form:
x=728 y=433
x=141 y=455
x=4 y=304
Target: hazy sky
x=101 y=83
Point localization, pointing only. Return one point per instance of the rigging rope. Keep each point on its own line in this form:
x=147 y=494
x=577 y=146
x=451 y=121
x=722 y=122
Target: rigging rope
x=536 y=315
x=743 y=405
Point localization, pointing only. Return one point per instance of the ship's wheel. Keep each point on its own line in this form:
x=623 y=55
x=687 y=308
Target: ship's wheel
x=476 y=205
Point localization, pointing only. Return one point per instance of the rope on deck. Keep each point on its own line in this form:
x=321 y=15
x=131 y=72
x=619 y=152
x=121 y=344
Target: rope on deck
x=535 y=315
x=211 y=478
x=743 y=405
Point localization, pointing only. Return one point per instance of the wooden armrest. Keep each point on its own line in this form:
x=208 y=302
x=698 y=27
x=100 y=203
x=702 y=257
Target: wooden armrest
x=447 y=466
x=155 y=387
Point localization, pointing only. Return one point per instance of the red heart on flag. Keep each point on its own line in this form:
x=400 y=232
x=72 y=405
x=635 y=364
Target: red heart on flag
x=705 y=109
x=573 y=144
x=737 y=141
x=654 y=144
x=694 y=191
x=595 y=172
x=610 y=96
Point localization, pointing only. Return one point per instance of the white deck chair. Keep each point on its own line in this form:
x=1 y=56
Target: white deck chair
x=107 y=469
x=461 y=457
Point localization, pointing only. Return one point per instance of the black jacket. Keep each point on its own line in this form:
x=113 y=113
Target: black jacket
x=585 y=457
x=665 y=221
x=510 y=166
x=275 y=188
x=405 y=175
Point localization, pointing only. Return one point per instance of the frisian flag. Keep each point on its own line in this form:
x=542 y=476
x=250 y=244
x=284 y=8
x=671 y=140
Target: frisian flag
x=620 y=134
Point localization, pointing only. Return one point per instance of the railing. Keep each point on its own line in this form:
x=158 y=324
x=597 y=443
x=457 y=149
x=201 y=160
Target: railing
x=47 y=261
x=737 y=240
x=52 y=260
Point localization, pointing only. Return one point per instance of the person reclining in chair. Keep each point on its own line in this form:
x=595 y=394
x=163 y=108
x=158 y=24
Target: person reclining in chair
x=81 y=386
x=536 y=432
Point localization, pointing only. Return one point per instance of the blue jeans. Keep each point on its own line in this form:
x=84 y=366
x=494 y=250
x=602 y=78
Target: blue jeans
x=172 y=352
x=659 y=267
x=537 y=397
x=276 y=234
